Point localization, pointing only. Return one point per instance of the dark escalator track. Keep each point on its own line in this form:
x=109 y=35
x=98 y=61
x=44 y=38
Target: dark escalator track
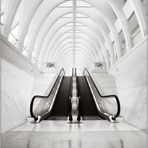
x=61 y=106
x=87 y=107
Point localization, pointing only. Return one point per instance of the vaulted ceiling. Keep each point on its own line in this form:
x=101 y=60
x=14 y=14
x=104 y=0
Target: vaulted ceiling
x=73 y=33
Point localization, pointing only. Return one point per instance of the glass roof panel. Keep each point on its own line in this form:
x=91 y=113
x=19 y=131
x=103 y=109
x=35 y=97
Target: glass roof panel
x=82 y=4
x=70 y=15
x=68 y=4
x=79 y=15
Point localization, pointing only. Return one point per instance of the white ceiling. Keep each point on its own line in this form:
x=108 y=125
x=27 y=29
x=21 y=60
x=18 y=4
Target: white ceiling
x=72 y=33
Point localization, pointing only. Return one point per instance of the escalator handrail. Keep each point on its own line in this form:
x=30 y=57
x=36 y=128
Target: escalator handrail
x=106 y=96
x=41 y=96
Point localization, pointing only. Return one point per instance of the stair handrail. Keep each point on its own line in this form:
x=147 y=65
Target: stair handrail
x=106 y=96
x=74 y=99
x=43 y=96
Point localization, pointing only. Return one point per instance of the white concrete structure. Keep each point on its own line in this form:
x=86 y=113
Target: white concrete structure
x=73 y=34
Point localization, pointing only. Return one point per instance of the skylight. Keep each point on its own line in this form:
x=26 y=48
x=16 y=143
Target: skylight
x=70 y=15
x=79 y=24
x=69 y=24
x=79 y=15
x=82 y=4
x=68 y=3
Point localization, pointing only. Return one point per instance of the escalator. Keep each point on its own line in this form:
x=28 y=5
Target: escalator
x=55 y=105
x=80 y=98
x=61 y=105
x=105 y=106
x=88 y=108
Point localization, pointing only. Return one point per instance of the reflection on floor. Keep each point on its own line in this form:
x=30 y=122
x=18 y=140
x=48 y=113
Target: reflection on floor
x=89 y=134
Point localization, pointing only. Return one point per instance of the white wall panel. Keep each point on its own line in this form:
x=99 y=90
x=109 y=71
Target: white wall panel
x=105 y=83
x=131 y=80
x=15 y=95
x=43 y=83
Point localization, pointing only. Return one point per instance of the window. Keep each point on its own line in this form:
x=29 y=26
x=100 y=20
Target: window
x=13 y=35
x=79 y=15
x=134 y=28
x=82 y=4
x=67 y=4
x=25 y=51
x=123 y=43
x=69 y=24
x=115 y=50
x=79 y=24
x=70 y=15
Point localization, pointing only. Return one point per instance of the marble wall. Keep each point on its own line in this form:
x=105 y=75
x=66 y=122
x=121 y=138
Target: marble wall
x=131 y=80
x=16 y=87
x=105 y=83
x=43 y=83
x=20 y=80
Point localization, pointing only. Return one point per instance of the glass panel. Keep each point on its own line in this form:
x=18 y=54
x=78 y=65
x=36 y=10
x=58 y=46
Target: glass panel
x=82 y=4
x=123 y=44
x=115 y=50
x=70 y=15
x=13 y=34
x=134 y=29
x=79 y=24
x=106 y=104
x=133 y=24
x=41 y=105
x=66 y=4
x=79 y=15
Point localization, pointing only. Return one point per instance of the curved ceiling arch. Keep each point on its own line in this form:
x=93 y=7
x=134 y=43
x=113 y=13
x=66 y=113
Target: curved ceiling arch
x=106 y=60
x=118 y=48
x=55 y=39
x=69 y=45
x=85 y=44
x=42 y=21
x=49 y=25
x=10 y=14
x=89 y=43
x=70 y=59
x=81 y=62
x=24 y=24
x=58 y=45
x=40 y=28
x=111 y=27
x=111 y=52
x=81 y=48
x=61 y=40
x=63 y=50
x=51 y=48
x=51 y=28
x=63 y=15
x=46 y=47
x=82 y=42
x=77 y=52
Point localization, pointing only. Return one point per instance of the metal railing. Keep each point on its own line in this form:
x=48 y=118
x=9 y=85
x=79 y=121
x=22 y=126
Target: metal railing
x=105 y=105
x=74 y=114
x=41 y=106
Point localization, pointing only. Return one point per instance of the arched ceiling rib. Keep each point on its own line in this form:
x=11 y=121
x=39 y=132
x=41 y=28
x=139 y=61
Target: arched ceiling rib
x=82 y=46
x=80 y=59
x=79 y=47
x=54 y=25
x=80 y=52
x=61 y=40
x=41 y=29
x=49 y=47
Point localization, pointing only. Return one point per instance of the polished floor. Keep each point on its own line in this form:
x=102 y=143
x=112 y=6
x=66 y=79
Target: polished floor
x=89 y=134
